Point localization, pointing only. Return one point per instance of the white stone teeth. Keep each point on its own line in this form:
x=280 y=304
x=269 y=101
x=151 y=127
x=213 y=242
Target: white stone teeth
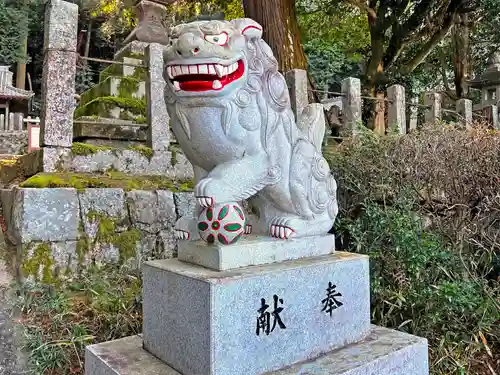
x=216 y=85
x=176 y=71
x=211 y=69
x=169 y=72
x=230 y=69
x=203 y=69
x=193 y=69
x=185 y=69
x=177 y=86
x=220 y=70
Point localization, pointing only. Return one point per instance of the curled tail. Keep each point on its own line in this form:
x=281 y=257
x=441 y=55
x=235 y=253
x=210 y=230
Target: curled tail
x=311 y=122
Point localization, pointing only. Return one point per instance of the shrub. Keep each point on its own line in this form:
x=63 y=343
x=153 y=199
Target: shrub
x=425 y=207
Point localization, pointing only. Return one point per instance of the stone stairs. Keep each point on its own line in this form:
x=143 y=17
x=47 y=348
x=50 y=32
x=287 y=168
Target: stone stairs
x=113 y=112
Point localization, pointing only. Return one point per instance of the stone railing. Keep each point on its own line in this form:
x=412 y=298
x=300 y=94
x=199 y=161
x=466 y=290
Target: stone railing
x=402 y=116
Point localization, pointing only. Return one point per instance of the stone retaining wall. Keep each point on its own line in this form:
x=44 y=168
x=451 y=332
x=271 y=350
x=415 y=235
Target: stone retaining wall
x=57 y=231
x=14 y=142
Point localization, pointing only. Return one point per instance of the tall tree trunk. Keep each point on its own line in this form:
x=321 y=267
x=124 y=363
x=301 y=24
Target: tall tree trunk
x=374 y=110
x=281 y=30
x=375 y=67
x=21 y=65
x=460 y=56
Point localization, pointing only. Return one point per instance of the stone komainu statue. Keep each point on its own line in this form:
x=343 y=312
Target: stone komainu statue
x=230 y=112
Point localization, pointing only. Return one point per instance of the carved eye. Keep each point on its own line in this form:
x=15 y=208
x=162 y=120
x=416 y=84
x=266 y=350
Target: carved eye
x=220 y=39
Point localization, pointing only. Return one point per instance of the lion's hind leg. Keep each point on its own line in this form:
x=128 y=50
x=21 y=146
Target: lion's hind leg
x=284 y=225
x=289 y=227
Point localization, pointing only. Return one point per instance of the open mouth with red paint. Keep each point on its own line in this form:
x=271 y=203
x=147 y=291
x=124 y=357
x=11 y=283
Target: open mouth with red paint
x=204 y=77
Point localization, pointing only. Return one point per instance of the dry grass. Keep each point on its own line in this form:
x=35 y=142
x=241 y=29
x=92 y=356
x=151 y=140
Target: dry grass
x=59 y=322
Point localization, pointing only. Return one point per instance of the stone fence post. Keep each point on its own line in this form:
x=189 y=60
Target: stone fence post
x=464 y=109
x=58 y=80
x=491 y=114
x=434 y=112
x=351 y=106
x=297 y=82
x=396 y=111
x=413 y=112
x=158 y=119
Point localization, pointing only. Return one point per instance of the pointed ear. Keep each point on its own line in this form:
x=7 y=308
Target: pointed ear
x=248 y=28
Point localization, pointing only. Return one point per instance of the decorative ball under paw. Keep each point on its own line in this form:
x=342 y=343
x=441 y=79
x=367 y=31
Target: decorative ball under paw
x=224 y=223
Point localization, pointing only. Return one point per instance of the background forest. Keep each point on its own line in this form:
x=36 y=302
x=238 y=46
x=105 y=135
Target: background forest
x=420 y=44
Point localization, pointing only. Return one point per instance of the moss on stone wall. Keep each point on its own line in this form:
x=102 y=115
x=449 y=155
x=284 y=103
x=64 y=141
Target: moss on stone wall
x=173 y=150
x=128 y=86
x=103 y=106
x=141 y=120
x=145 y=151
x=85 y=149
x=125 y=242
x=116 y=70
x=110 y=179
x=40 y=265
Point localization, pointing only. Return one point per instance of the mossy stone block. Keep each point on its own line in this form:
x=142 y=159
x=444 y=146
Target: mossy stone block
x=113 y=107
x=45 y=214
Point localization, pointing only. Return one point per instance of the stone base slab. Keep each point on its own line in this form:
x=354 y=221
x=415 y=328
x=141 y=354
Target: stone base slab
x=256 y=319
x=254 y=250
x=383 y=352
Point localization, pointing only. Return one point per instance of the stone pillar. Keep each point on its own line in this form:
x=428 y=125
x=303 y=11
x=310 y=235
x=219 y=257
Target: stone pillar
x=413 y=114
x=11 y=122
x=20 y=121
x=496 y=120
x=158 y=118
x=464 y=109
x=7 y=111
x=59 y=68
x=2 y=122
x=491 y=114
x=58 y=81
x=396 y=111
x=297 y=81
x=433 y=112
x=351 y=106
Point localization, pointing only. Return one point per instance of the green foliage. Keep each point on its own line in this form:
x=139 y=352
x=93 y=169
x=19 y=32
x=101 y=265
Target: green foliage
x=423 y=207
x=84 y=79
x=334 y=42
x=12 y=32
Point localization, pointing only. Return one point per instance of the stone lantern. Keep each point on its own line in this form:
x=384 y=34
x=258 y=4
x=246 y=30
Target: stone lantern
x=152 y=16
x=489 y=83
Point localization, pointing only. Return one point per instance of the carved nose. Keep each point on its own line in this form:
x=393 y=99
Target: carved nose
x=188 y=45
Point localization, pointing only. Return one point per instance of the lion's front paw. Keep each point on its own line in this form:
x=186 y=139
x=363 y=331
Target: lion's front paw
x=207 y=191
x=186 y=229
x=205 y=201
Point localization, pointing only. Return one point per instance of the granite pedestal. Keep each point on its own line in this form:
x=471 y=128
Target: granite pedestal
x=382 y=352
x=300 y=316
x=312 y=306
x=253 y=251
